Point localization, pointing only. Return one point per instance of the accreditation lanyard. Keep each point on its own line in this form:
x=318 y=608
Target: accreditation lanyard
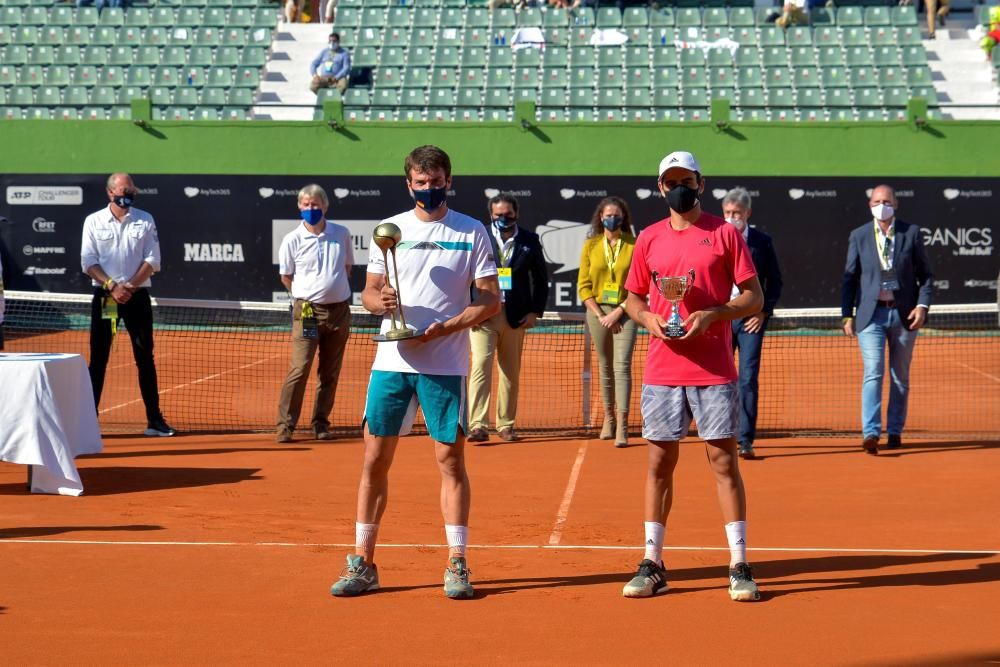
x=611 y=255
x=884 y=243
x=611 y=290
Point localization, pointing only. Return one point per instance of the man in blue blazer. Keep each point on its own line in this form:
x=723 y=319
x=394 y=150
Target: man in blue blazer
x=524 y=289
x=748 y=333
x=885 y=296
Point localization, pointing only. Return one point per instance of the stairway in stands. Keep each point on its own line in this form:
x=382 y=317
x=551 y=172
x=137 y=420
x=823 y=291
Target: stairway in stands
x=287 y=78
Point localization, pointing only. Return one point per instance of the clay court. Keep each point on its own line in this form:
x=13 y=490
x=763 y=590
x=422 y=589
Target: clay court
x=221 y=550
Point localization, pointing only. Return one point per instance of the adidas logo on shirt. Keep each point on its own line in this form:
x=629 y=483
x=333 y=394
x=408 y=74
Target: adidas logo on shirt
x=705 y=241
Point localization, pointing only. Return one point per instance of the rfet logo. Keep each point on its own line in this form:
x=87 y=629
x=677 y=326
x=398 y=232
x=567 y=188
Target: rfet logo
x=43 y=226
x=213 y=252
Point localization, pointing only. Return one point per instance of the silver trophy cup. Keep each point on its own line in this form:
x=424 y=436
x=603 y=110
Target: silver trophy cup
x=387 y=236
x=674 y=289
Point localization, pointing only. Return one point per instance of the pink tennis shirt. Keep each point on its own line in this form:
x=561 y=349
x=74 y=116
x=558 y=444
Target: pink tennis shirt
x=720 y=258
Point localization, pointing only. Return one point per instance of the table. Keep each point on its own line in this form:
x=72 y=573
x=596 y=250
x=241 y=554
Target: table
x=47 y=418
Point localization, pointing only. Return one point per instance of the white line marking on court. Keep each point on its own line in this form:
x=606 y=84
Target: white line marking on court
x=563 y=512
x=198 y=381
x=522 y=547
x=983 y=373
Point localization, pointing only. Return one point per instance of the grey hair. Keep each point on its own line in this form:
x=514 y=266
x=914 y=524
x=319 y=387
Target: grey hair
x=738 y=196
x=316 y=192
x=110 y=185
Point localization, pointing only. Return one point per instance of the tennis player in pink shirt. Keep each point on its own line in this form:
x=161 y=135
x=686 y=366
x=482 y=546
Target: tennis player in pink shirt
x=693 y=375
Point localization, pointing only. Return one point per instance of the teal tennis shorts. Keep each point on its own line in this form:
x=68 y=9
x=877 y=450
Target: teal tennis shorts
x=391 y=404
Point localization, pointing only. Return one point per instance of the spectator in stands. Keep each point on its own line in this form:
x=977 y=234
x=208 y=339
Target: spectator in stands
x=937 y=10
x=315 y=265
x=524 y=291
x=329 y=10
x=794 y=12
x=748 y=332
x=101 y=4
x=120 y=251
x=992 y=36
x=885 y=295
x=332 y=67
x=604 y=264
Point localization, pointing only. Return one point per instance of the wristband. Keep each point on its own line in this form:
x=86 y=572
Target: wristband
x=845 y=320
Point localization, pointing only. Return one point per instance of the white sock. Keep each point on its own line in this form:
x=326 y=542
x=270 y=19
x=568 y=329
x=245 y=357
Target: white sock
x=364 y=537
x=458 y=536
x=736 y=533
x=654 y=541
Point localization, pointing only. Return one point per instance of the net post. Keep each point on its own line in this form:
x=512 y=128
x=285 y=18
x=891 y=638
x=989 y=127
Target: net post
x=585 y=376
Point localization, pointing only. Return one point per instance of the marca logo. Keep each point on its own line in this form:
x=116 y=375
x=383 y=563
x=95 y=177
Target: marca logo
x=207 y=192
x=43 y=226
x=44 y=271
x=42 y=250
x=799 y=193
x=569 y=193
x=45 y=195
x=213 y=252
x=955 y=193
x=977 y=241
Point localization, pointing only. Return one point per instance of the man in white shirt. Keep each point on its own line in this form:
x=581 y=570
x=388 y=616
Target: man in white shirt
x=120 y=251
x=1 y=306
x=441 y=256
x=315 y=266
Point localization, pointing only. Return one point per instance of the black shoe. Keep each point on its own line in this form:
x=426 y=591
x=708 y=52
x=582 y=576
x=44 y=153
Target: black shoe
x=895 y=442
x=323 y=434
x=870 y=444
x=283 y=436
x=159 y=428
x=746 y=451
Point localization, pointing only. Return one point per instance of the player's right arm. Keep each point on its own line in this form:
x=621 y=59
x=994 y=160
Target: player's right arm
x=377 y=297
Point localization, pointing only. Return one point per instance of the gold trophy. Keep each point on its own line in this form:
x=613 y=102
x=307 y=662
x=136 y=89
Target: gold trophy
x=674 y=289
x=387 y=236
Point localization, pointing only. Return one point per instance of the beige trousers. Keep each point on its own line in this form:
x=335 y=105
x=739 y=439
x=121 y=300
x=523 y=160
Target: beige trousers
x=494 y=338
x=614 y=360
x=334 y=324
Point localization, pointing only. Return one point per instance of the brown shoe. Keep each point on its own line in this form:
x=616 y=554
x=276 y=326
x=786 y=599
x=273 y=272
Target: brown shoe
x=284 y=436
x=508 y=434
x=478 y=434
x=870 y=444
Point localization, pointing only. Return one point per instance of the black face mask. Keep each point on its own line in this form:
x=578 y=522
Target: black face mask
x=682 y=199
x=504 y=224
x=125 y=200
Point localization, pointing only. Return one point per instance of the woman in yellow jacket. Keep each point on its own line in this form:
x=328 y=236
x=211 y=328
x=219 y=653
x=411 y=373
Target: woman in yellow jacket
x=604 y=264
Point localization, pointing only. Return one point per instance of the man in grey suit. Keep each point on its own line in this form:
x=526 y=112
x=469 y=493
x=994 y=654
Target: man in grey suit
x=889 y=282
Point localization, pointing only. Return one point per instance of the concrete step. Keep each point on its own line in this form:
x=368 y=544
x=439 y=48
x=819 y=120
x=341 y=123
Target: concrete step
x=286 y=81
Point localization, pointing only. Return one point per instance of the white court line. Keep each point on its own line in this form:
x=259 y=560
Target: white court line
x=198 y=381
x=983 y=373
x=522 y=547
x=563 y=512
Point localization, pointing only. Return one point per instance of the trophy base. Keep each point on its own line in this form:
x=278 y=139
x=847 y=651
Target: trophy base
x=397 y=334
x=674 y=331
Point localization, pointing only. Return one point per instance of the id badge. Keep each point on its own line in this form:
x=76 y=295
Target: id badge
x=889 y=280
x=109 y=309
x=310 y=327
x=506 y=279
x=609 y=294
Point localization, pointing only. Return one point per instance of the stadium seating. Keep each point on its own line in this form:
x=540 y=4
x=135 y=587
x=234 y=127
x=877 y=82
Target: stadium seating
x=195 y=60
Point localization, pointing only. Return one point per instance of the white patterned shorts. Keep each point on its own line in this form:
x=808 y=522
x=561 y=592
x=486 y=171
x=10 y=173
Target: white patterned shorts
x=667 y=411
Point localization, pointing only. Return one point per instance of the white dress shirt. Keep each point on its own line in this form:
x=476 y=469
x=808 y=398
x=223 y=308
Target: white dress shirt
x=120 y=248
x=319 y=264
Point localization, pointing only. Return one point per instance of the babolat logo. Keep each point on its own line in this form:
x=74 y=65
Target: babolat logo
x=213 y=252
x=46 y=195
x=42 y=250
x=976 y=241
x=44 y=271
x=43 y=226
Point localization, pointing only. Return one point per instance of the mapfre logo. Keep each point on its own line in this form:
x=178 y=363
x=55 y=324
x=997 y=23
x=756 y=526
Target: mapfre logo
x=43 y=226
x=213 y=252
x=974 y=241
x=30 y=250
x=44 y=271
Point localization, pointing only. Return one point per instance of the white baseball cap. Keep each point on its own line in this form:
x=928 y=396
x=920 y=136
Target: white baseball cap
x=681 y=159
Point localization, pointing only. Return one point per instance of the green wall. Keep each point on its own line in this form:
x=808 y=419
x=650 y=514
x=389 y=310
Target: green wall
x=308 y=148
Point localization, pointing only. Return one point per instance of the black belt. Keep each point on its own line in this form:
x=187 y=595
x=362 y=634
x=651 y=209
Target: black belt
x=887 y=304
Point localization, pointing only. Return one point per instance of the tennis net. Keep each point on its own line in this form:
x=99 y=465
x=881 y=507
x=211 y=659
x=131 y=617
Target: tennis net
x=221 y=366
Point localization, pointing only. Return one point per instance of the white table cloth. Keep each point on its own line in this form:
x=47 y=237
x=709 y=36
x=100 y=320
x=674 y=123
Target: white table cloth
x=47 y=418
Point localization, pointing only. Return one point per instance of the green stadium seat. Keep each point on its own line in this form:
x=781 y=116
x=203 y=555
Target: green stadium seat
x=693 y=77
x=185 y=96
x=609 y=17
x=877 y=16
x=610 y=56
x=772 y=36
x=8 y=76
x=166 y=77
x=741 y=17
x=471 y=78
x=498 y=98
x=871 y=114
x=265 y=17
x=243 y=97
x=38 y=113
x=137 y=17
x=694 y=97
x=610 y=77
x=207 y=36
x=346 y=17
x=159 y=16
x=67 y=55
x=835 y=77
x=503 y=18
x=155 y=36
x=914 y=55
x=121 y=55
x=106 y=95
x=41 y=54
x=884 y=36
x=721 y=77
x=799 y=36
x=499 y=77
x=129 y=36
x=5 y=35
x=550 y=114
x=662 y=16
x=93 y=113
x=385 y=97
x=664 y=56
x=907 y=36
x=581 y=98
x=387 y=77
x=895 y=96
x=477 y=17
x=904 y=15
x=722 y=93
x=719 y=57
x=581 y=77
x=77 y=36
x=473 y=56
x=95 y=55
x=785 y=115
x=920 y=75
x=636 y=56
x=11 y=113
x=772 y=56
x=31 y=75
x=747 y=56
x=553 y=97
x=666 y=77
x=583 y=16
x=635 y=17
x=500 y=56
x=749 y=77
x=854 y=36
x=173 y=114
x=241 y=17
x=398 y=17
x=555 y=18
x=891 y=76
x=691 y=57
x=664 y=114
x=638 y=77
x=856 y=56
x=554 y=77
x=420 y=56
x=716 y=33
x=52 y=35
x=61 y=16
x=885 y=56
x=696 y=114
x=442 y=98
x=112 y=16
x=745 y=36
x=11 y=16
x=809 y=98
x=245 y=77
x=205 y=113
x=173 y=55
x=324 y=94
x=609 y=115
x=234 y=37
x=826 y=36
x=444 y=77
x=806 y=77
x=638 y=97
x=850 y=16
x=139 y=75
x=829 y=56
x=36 y=16
x=253 y=56
x=687 y=17
x=57 y=75
x=447 y=56
x=525 y=77
x=715 y=16
x=838 y=97
x=224 y=55
x=111 y=75
x=926 y=92
x=26 y=35
x=357 y=97
x=21 y=96
x=780 y=97
x=470 y=97
x=180 y=36
x=467 y=114
x=663 y=36
x=14 y=54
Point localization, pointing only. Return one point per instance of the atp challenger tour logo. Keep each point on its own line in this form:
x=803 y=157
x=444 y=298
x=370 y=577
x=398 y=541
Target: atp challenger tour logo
x=213 y=252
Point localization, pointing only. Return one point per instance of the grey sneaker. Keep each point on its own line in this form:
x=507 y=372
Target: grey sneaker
x=456 y=580
x=649 y=580
x=742 y=587
x=746 y=450
x=357 y=578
